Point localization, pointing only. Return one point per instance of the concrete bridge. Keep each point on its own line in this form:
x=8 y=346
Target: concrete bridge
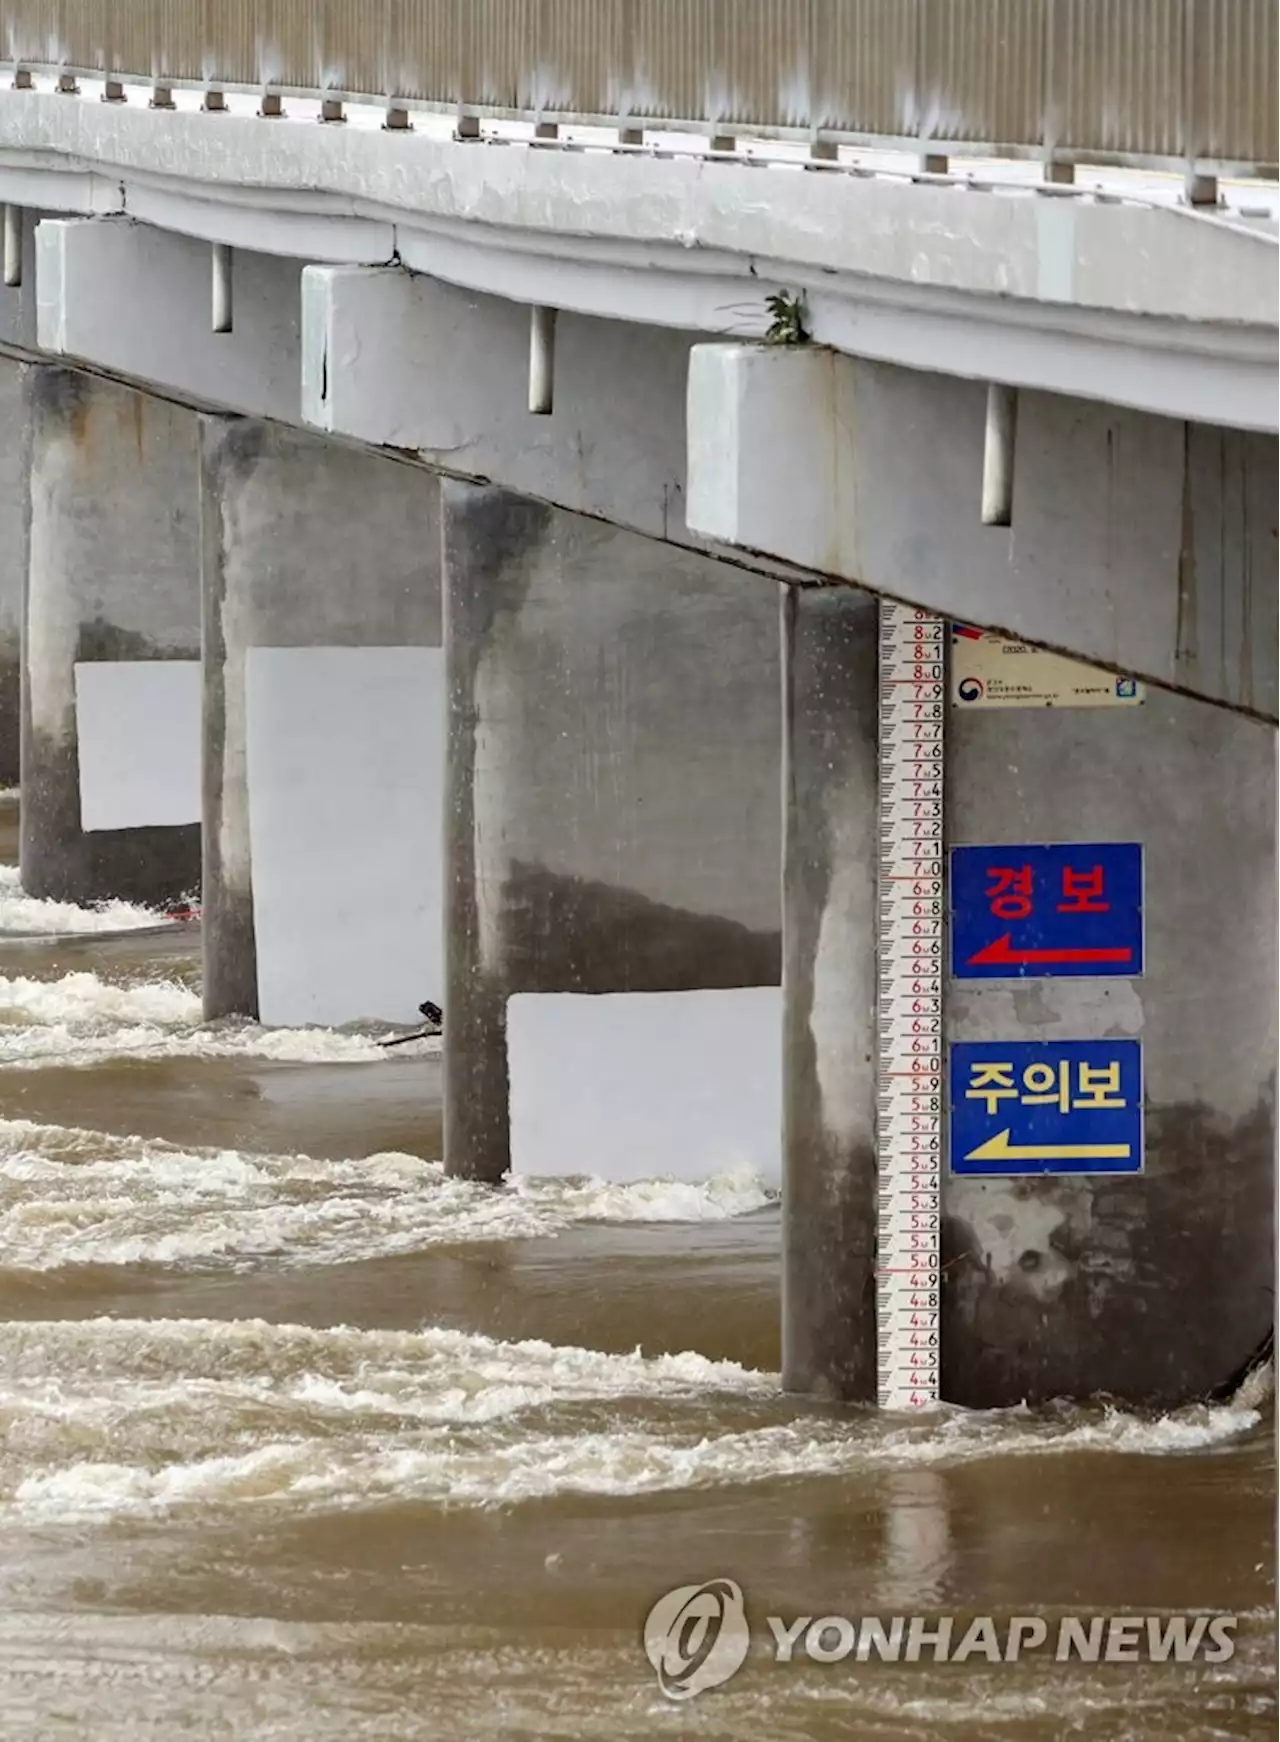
x=453 y=484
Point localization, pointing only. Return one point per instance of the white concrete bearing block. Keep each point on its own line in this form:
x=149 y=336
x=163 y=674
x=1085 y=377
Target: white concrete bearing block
x=770 y=461
x=405 y=361
x=138 y=301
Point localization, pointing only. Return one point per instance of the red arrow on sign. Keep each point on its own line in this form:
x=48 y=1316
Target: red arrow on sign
x=1001 y=953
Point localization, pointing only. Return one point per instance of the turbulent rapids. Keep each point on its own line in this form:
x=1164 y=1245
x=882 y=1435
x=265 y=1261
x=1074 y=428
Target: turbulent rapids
x=304 y=1437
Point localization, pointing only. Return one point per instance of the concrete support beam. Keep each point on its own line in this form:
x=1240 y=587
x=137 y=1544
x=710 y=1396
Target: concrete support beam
x=407 y=362
x=136 y=301
x=110 y=745
x=613 y=831
x=13 y=562
x=323 y=729
x=829 y=992
x=1133 y=540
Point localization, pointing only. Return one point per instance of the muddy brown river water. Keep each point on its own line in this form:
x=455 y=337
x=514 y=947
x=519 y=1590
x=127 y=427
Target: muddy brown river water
x=303 y=1440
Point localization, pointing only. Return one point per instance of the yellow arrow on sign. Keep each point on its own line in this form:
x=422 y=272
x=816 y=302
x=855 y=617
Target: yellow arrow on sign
x=999 y=1148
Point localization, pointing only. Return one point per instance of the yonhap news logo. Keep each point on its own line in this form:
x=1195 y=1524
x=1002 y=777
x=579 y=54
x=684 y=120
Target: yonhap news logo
x=697 y=1637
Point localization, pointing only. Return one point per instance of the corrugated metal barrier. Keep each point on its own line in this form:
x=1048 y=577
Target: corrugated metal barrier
x=1158 y=83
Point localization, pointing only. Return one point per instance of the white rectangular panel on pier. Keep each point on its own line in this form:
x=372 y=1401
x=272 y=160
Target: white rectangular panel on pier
x=627 y=1086
x=138 y=727
x=345 y=751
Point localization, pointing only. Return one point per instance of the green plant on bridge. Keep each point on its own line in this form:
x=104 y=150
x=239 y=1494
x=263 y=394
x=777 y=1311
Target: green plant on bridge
x=787 y=324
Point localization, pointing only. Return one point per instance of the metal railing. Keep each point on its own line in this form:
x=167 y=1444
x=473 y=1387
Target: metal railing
x=1183 y=84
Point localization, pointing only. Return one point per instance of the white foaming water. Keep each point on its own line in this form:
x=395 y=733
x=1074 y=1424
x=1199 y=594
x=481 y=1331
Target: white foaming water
x=86 y=1000
x=734 y=1193
x=72 y=1197
x=146 y=1417
x=25 y=914
x=83 y=1019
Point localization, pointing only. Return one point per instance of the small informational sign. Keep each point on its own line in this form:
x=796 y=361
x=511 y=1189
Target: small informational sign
x=1034 y=912
x=989 y=672
x=1032 y=1107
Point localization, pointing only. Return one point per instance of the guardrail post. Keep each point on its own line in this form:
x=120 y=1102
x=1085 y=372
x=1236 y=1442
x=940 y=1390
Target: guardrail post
x=1055 y=173
x=1199 y=189
x=931 y=162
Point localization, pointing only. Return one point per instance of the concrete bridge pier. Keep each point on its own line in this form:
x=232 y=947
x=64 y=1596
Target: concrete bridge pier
x=13 y=546
x=829 y=991
x=111 y=647
x=323 y=728
x=612 y=826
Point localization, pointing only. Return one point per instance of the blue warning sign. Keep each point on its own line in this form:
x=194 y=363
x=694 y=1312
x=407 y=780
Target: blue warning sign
x=1034 y=1107
x=1023 y=912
